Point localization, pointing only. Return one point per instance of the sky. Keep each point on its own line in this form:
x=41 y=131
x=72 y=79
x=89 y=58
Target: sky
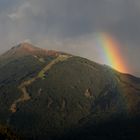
x=71 y=25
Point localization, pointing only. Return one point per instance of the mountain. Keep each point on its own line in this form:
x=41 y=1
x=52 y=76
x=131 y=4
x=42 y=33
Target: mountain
x=54 y=95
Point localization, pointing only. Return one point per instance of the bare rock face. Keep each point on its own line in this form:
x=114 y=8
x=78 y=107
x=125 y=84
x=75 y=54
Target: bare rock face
x=88 y=93
x=25 y=49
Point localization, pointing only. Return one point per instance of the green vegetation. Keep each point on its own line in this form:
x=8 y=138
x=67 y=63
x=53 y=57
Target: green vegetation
x=67 y=98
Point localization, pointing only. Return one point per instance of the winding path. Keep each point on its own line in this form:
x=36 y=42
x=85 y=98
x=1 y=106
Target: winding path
x=22 y=87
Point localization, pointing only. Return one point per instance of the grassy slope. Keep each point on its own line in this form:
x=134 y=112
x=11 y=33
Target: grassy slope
x=58 y=102
x=62 y=103
x=12 y=73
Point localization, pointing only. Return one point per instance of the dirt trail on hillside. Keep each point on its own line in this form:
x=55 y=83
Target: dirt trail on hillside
x=23 y=86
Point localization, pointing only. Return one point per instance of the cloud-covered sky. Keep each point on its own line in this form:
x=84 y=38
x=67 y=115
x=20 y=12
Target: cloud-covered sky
x=70 y=25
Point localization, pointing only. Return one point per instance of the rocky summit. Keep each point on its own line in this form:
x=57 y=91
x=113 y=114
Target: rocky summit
x=45 y=94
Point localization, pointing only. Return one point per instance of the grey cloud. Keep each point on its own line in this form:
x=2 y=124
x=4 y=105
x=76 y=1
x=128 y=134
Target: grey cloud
x=72 y=18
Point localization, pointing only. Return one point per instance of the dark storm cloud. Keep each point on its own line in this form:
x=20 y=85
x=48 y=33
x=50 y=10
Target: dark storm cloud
x=6 y=4
x=70 y=18
x=69 y=24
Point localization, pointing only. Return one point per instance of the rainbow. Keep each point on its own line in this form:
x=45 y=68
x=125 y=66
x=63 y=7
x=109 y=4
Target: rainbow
x=111 y=51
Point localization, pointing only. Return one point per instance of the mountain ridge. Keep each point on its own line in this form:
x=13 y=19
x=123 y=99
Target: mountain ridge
x=28 y=49
x=67 y=95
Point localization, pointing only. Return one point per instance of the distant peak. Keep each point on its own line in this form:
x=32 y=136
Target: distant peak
x=24 y=49
x=26 y=46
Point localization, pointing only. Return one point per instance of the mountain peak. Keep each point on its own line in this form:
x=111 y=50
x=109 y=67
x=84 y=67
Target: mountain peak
x=25 y=44
x=26 y=48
